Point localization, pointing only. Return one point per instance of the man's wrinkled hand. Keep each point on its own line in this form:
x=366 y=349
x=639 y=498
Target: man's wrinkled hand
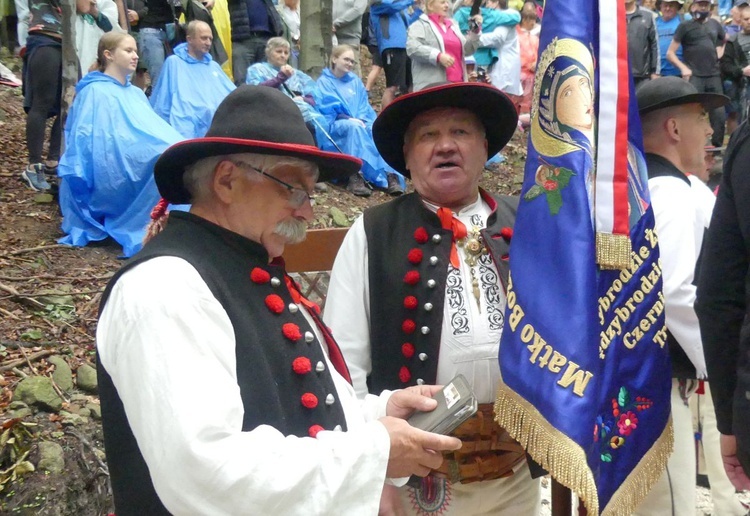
x=737 y=475
x=414 y=451
x=405 y=402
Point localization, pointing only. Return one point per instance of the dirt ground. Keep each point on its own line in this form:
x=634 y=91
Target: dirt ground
x=49 y=298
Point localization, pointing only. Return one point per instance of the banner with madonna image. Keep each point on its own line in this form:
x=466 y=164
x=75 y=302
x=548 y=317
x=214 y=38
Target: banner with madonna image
x=585 y=366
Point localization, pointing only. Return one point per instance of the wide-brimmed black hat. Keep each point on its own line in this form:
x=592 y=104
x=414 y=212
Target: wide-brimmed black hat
x=255 y=119
x=666 y=92
x=493 y=107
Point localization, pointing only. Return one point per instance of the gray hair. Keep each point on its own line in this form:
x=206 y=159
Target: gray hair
x=198 y=176
x=276 y=42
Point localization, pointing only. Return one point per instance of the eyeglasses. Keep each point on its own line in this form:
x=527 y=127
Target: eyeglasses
x=297 y=196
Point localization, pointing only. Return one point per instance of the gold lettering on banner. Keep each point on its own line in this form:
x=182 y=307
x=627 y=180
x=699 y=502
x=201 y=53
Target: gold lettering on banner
x=544 y=355
x=623 y=313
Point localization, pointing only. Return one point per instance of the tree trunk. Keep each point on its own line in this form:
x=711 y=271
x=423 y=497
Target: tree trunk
x=69 y=60
x=316 y=27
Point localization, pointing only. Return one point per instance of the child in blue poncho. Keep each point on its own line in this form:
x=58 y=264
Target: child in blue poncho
x=113 y=138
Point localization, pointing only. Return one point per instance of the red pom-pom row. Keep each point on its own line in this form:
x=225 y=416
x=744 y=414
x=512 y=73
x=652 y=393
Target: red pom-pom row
x=309 y=400
x=407 y=349
x=420 y=235
x=301 y=365
x=404 y=374
x=408 y=326
x=410 y=302
x=258 y=275
x=415 y=256
x=275 y=303
x=291 y=332
x=313 y=430
x=506 y=233
x=411 y=278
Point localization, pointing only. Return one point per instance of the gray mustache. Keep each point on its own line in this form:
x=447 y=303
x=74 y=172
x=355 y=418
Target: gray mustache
x=293 y=231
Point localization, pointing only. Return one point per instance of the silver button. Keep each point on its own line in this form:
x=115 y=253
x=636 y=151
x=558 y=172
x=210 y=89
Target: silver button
x=425 y=330
x=431 y=283
x=293 y=308
x=330 y=399
x=436 y=238
x=423 y=357
x=275 y=282
x=337 y=428
x=428 y=307
x=309 y=337
x=433 y=260
x=420 y=381
x=320 y=367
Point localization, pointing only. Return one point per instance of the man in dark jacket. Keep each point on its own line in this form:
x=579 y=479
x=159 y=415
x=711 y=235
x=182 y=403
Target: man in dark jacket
x=253 y=23
x=735 y=70
x=723 y=309
x=643 y=45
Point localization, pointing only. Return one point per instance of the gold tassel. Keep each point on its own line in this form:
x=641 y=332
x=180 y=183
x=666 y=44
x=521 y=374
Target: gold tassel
x=566 y=460
x=613 y=251
x=647 y=472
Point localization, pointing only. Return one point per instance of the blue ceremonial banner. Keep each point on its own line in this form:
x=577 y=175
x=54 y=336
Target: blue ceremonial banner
x=585 y=366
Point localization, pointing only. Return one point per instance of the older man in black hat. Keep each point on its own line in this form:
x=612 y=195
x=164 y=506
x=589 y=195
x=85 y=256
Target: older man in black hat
x=675 y=128
x=417 y=291
x=222 y=392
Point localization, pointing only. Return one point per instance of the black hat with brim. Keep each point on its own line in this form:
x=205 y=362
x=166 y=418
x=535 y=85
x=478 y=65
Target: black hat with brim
x=665 y=92
x=252 y=119
x=493 y=107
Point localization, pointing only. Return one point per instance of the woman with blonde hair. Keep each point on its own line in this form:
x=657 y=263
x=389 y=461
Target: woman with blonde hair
x=342 y=99
x=437 y=47
x=113 y=138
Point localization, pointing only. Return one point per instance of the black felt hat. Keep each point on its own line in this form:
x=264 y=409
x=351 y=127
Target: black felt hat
x=666 y=92
x=493 y=107
x=255 y=119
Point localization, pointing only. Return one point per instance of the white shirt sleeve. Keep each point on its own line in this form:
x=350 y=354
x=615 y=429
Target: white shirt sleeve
x=680 y=235
x=348 y=305
x=169 y=347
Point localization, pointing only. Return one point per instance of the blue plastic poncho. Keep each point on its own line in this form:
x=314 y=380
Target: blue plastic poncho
x=107 y=188
x=297 y=86
x=344 y=103
x=189 y=91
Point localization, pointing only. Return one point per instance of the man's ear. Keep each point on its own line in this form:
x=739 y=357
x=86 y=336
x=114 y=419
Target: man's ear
x=224 y=179
x=673 y=128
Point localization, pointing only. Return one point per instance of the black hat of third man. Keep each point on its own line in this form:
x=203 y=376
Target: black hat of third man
x=665 y=92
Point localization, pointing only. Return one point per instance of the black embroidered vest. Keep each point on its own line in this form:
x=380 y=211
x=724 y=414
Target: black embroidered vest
x=270 y=333
x=408 y=256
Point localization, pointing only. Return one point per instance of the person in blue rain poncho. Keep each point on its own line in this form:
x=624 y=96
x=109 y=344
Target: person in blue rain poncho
x=191 y=84
x=300 y=87
x=342 y=99
x=113 y=139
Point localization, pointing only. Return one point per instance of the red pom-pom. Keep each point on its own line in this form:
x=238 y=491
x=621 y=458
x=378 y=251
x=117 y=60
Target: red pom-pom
x=275 y=303
x=258 y=275
x=420 y=235
x=291 y=332
x=404 y=375
x=314 y=307
x=301 y=365
x=313 y=430
x=408 y=326
x=505 y=256
x=506 y=233
x=410 y=302
x=407 y=349
x=414 y=256
x=309 y=400
x=411 y=278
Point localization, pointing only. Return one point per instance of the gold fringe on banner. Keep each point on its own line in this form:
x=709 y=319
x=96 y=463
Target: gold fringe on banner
x=566 y=461
x=647 y=472
x=552 y=449
x=613 y=251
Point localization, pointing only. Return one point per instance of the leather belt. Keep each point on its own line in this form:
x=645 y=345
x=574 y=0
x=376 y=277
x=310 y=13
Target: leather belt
x=488 y=451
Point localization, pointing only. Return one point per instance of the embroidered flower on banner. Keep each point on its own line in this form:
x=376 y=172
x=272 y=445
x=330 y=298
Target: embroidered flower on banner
x=613 y=427
x=549 y=181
